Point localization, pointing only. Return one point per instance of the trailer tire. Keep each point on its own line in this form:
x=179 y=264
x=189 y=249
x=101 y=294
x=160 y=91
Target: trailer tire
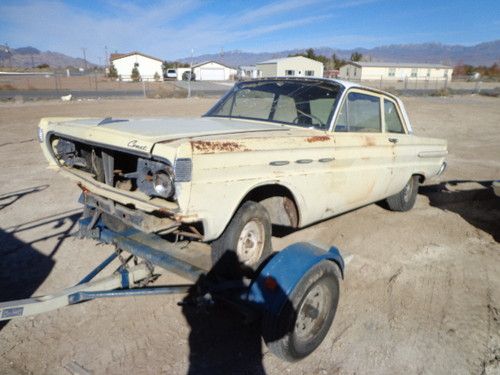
x=295 y=332
x=245 y=243
x=405 y=199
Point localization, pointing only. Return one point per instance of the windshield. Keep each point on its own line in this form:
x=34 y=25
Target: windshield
x=302 y=103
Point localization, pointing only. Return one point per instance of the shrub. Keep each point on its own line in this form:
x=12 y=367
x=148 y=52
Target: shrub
x=113 y=73
x=136 y=76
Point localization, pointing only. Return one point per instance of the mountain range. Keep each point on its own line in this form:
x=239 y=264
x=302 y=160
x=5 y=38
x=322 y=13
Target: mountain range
x=29 y=57
x=486 y=53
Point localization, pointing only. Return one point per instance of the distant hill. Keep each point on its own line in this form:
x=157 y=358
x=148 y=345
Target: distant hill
x=480 y=54
x=28 y=57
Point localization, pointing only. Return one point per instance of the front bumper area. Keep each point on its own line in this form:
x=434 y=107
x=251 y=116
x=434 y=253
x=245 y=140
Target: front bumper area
x=145 y=222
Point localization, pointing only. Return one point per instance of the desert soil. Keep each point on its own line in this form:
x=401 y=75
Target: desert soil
x=421 y=292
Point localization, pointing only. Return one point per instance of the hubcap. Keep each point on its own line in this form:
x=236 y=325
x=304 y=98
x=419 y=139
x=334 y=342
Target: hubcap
x=312 y=313
x=251 y=243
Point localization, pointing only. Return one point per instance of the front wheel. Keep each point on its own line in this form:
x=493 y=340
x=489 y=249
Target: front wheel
x=304 y=321
x=245 y=243
x=405 y=199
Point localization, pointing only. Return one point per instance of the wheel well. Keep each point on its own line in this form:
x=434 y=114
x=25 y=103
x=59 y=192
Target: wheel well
x=421 y=177
x=279 y=203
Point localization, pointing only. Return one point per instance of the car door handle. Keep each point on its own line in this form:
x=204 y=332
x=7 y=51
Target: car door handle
x=393 y=140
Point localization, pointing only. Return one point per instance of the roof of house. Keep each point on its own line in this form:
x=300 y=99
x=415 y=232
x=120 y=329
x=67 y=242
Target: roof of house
x=116 y=56
x=275 y=61
x=211 y=61
x=382 y=64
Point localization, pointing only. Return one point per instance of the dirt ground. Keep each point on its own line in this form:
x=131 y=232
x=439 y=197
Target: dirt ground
x=421 y=292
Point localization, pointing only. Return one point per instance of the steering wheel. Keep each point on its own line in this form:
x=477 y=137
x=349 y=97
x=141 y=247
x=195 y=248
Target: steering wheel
x=310 y=115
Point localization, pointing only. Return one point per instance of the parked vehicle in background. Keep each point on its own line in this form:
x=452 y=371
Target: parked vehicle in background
x=170 y=74
x=282 y=151
x=186 y=76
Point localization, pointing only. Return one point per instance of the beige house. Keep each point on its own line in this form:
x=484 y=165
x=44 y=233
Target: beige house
x=150 y=68
x=394 y=71
x=296 y=66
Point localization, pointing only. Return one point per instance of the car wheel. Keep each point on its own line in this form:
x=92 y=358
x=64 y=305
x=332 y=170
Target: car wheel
x=405 y=199
x=245 y=243
x=303 y=323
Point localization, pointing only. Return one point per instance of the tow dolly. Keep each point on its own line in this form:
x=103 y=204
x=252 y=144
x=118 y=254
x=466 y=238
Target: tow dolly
x=295 y=292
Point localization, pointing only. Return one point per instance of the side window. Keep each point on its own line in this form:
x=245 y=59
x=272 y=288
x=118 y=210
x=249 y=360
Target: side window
x=360 y=113
x=392 y=121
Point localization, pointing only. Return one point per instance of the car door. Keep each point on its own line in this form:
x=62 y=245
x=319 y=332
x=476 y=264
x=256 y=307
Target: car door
x=363 y=153
x=403 y=149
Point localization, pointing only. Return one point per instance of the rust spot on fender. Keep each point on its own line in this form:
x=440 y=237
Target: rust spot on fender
x=209 y=147
x=318 y=138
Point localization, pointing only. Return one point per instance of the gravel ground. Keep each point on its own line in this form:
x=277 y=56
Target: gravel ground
x=421 y=293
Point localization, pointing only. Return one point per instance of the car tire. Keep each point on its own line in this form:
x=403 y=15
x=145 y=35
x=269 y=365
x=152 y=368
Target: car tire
x=245 y=243
x=405 y=199
x=301 y=326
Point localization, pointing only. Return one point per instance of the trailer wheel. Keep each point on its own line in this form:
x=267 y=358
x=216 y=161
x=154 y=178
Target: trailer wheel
x=304 y=321
x=405 y=199
x=248 y=236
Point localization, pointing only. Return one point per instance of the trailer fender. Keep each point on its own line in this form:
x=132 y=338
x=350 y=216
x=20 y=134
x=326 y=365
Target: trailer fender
x=271 y=289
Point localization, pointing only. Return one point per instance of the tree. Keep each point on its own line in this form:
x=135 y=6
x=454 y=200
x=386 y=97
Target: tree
x=136 y=76
x=356 y=56
x=113 y=73
x=156 y=77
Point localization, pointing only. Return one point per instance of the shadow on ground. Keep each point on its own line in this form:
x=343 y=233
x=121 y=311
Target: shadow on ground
x=8 y=199
x=224 y=340
x=480 y=207
x=23 y=268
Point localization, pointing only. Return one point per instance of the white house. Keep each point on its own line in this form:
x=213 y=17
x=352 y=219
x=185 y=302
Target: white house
x=213 y=71
x=148 y=66
x=296 y=66
x=394 y=71
x=248 y=72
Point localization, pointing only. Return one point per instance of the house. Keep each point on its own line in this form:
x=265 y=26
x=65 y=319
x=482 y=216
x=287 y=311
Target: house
x=150 y=68
x=394 y=71
x=213 y=71
x=296 y=66
x=248 y=72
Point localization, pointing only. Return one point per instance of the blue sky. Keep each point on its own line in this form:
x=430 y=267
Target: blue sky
x=170 y=29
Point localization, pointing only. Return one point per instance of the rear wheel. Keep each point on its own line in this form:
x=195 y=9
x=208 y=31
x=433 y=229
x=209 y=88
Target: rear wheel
x=245 y=243
x=405 y=199
x=303 y=323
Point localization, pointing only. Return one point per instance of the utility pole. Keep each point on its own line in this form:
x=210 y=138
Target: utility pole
x=106 y=62
x=190 y=74
x=84 y=57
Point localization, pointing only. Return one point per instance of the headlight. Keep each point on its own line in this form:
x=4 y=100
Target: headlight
x=163 y=184
x=154 y=178
x=40 y=135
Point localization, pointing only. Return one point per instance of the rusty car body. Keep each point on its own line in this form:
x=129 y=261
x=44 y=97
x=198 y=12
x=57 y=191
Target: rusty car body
x=303 y=149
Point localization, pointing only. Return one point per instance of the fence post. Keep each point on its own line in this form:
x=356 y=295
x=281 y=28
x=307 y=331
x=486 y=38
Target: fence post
x=406 y=82
x=381 y=82
x=478 y=86
x=144 y=88
x=446 y=83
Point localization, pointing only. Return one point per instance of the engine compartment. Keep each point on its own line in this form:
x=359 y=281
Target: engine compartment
x=115 y=168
